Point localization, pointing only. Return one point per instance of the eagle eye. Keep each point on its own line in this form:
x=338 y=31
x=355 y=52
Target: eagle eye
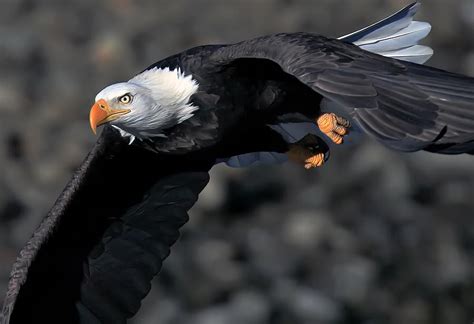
x=126 y=98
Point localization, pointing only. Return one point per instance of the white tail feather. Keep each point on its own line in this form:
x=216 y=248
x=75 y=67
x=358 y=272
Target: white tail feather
x=416 y=54
x=406 y=37
x=386 y=26
x=397 y=34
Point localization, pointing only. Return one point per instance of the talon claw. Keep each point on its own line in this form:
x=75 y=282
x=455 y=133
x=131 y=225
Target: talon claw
x=333 y=126
x=343 y=122
x=336 y=138
x=311 y=151
x=340 y=130
x=314 y=161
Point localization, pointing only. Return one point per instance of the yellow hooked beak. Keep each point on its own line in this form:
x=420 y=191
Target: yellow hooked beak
x=101 y=113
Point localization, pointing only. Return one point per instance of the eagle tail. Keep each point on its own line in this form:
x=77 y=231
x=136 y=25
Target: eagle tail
x=396 y=36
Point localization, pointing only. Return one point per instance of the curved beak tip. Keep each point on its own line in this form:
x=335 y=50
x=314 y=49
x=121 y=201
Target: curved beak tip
x=101 y=113
x=96 y=116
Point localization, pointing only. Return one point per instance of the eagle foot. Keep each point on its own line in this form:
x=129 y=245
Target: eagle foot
x=333 y=126
x=311 y=151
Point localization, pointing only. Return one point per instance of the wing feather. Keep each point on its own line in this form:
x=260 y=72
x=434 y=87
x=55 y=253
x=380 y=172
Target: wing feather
x=93 y=257
x=404 y=105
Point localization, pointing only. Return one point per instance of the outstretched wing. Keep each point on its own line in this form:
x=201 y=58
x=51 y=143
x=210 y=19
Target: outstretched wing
x=396 y=36
x=404 y=105
x=92 y=258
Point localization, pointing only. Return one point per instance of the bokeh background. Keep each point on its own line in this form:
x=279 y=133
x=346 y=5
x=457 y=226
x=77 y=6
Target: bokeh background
x=373 y=237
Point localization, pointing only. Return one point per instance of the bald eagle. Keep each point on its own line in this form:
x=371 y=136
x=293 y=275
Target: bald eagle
x=268 y=99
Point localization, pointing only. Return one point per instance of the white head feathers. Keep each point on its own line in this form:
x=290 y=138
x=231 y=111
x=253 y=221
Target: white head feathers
x=160 y=99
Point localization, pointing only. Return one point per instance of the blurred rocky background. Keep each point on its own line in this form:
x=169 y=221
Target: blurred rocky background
x=373 y=237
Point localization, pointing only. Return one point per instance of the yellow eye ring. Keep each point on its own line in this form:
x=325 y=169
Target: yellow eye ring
x=125 y=99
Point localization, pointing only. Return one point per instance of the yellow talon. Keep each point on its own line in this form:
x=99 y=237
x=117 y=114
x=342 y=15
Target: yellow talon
x=333 y=126
x=309 y=151
x=314 y=161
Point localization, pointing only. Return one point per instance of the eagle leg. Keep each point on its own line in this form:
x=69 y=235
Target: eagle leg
x=333 y=126
x=311 y=150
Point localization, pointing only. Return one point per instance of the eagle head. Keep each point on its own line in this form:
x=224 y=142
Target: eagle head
x=144 y=106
